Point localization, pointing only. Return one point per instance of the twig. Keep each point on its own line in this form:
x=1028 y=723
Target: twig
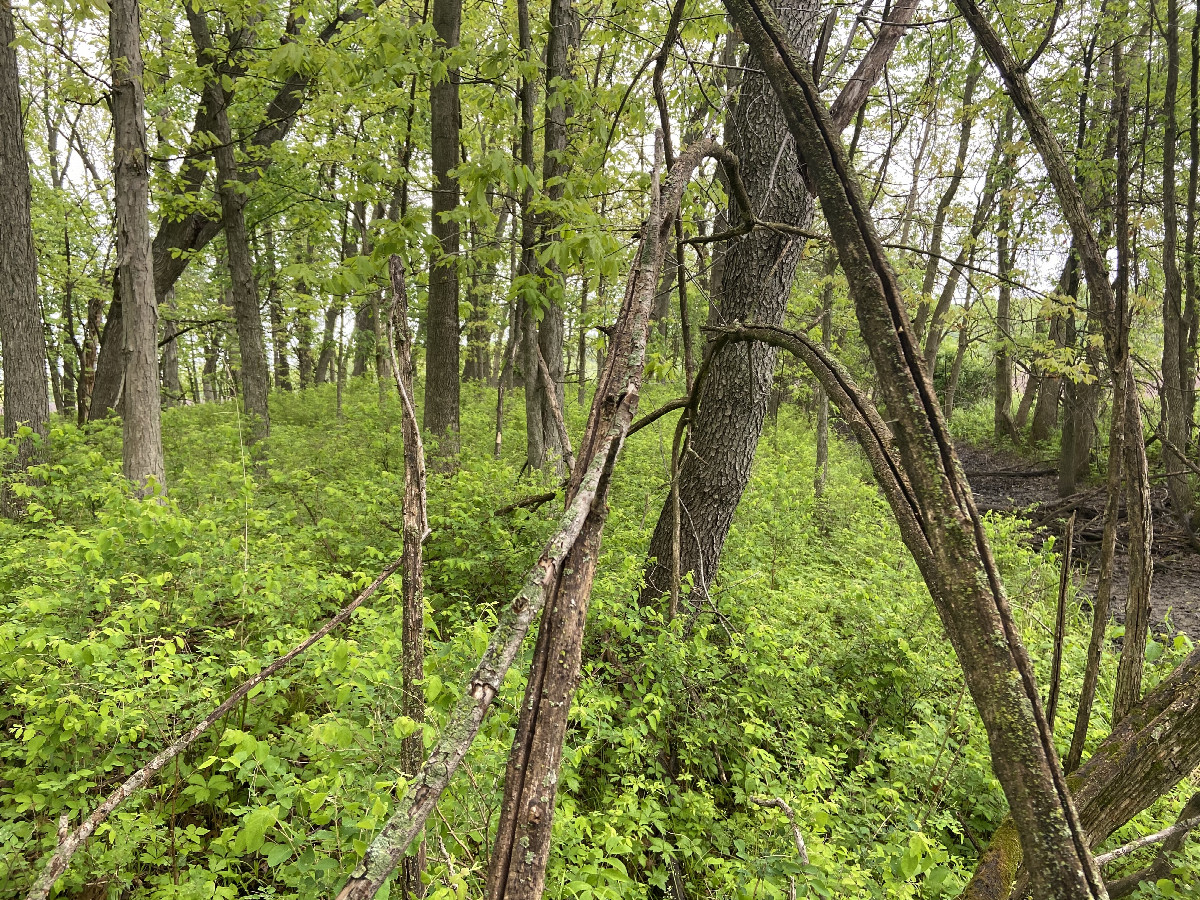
x=801 y=850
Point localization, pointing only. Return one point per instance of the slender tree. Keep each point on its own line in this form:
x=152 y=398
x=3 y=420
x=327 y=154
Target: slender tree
x=254 y=374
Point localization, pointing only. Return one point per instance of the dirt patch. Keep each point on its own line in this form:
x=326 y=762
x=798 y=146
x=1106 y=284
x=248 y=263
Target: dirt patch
x=1004 y=482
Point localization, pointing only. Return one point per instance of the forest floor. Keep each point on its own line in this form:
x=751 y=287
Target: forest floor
x=1006 y=482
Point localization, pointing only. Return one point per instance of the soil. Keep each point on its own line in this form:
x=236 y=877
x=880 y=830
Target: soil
x=1005 y=482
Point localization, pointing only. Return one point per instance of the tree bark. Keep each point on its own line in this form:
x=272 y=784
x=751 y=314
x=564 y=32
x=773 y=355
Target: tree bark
x=416 y=528
x=255 y=375
x=24 y=343
x=169 y=361
x=442 y=335
x=949 y=544
x=142 y=454
x=753 y=285
x=1154 y=748
x=279 y=332
x=1002 y=413
x=1175 y=352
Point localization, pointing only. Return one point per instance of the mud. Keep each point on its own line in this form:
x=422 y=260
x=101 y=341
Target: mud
x=1004 y=482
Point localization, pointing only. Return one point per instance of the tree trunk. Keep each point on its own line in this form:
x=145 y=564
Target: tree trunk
x=523 y=837
x=255 y=377
x=1175 y=368
x=442 y=335
x=753 y=285
x=1002 y=414
x=1045 y=412
x=326 y=361
x=936 y=513
x=528 y=294
x=1191 y=314
x=561 y=45
x=822 y=464
x=279 y=334
x=169 y=362
x=142 y=426
x=21 y=335
x=416 y=527
x=1147 y=755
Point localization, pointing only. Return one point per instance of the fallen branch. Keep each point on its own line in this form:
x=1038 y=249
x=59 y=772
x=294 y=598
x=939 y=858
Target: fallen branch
x=69 y=844
x=1133 y=846
x=526 y=503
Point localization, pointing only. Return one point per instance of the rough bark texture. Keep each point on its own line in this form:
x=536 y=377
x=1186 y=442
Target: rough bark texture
x=253 y=370
x=754 y=284
x=416 y=528
x=561 y=46
x=442 y=327
x=142 y=426
x=1003 y=420
x=522 y=847
x=1175 y=352
x=24 y=343
x=1155 y=747
x=952 y=552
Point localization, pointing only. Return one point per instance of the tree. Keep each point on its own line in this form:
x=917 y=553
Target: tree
x=142 y=425
x=254 y=374
x=753 y=280
x=442 y=324
x=24 y=344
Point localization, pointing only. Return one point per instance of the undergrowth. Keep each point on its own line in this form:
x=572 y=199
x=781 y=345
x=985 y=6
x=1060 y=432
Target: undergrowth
x=815 y=671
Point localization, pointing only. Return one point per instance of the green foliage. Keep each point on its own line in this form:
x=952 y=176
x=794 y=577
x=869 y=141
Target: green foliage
x=816 y=671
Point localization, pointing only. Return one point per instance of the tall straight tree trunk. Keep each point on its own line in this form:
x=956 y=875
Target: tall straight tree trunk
x=753 y=285
x=1191 y=314
x=1002 y=414
x=1045 y=412
x=255 y=375
x=1175 y=368
x=169 y=360
x=326 y=360
x=822 y=464
x=525 y=320
x=442 y=328
x=279 y=335
x=561 y=45
x=142 y=454
x=21 y=335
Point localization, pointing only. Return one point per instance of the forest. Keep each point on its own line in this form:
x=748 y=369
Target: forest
x=582 y=449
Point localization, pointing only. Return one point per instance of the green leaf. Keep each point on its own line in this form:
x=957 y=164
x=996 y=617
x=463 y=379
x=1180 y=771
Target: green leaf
x=255 y=827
